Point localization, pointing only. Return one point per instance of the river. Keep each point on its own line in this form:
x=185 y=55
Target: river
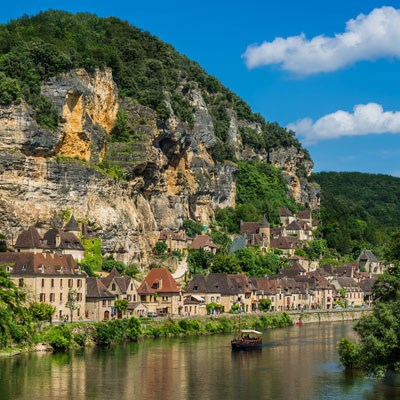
x=299 y=362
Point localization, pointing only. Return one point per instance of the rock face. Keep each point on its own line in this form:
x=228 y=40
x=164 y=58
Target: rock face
x=170 y=174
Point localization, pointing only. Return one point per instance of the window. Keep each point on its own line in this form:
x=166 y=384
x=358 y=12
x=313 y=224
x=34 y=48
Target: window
x=165 y=298
x=60 y=296
x=42 y=297
x=134 y=297
x=70 y=283
x=78 y=311
x=104 y=303
x=79 y=283
x=113 y=287
x=212 y=299
x=61 y=283
x=217 y=299
x=109 y=303
x=131 y=286
x=52 y=297
x=42 y=282
x=129 y=297
x=143 y=297
x=52 y=283
x=21 y=282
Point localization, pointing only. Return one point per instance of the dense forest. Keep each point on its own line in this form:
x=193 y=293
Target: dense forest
x=146 y=69
x=360 y=210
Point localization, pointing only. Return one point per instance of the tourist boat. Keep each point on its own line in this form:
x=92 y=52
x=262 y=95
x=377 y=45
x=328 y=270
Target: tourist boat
x=247 y=339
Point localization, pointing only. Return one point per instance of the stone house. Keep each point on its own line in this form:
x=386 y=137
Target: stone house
x=49 y=278
x=160 y=293
x=203 y=242
x=124 y=288
x=224 y=289
x=99 y=301
x=64 y=243
x=286 y=216
x=367 y=260
x=175 y=241
x=354 y=293
x=194 y=304
x=30 y=241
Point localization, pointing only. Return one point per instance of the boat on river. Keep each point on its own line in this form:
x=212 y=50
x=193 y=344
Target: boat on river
x=247 y=339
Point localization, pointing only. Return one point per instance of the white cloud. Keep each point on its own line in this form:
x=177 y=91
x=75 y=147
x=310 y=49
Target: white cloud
x=367 y=37
x=366 y=119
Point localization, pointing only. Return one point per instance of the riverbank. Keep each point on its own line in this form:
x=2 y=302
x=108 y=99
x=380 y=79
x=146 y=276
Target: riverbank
x=67 y=336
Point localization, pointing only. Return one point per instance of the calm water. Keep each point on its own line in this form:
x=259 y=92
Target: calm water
x=295 y=363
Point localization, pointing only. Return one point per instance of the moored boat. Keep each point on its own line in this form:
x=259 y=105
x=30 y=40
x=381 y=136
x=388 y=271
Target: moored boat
x=247 y=339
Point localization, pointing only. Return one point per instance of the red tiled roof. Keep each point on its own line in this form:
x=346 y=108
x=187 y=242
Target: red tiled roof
x=167 y=283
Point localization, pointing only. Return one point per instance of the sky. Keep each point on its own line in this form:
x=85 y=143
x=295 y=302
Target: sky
x=329 y=70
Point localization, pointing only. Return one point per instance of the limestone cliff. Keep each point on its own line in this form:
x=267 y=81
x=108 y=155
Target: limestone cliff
x=170 y=174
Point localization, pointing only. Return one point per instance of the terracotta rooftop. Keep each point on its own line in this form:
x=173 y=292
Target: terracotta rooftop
x=160 y=277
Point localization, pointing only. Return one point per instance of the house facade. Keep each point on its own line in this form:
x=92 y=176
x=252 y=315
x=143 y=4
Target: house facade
x=49 y=278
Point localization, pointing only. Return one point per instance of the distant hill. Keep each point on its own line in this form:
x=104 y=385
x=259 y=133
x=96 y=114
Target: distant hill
x=358 y=210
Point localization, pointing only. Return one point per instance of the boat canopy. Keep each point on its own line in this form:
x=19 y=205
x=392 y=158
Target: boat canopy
x=250 y=331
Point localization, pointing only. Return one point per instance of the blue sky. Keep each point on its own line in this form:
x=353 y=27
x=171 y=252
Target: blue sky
x=308 y=82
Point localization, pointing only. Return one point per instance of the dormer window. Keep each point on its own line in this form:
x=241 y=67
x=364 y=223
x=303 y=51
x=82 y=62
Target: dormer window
x=24 y=267
x=113 y=287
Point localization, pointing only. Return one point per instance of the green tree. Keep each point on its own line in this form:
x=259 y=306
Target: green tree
x=160 y=248
x=192 y=228
x=15 y=318
x=227 y=264
x=108 y=263
x=42 y=311
x=378 y=348
x=264 y=304
x=121 y=306
x=131 y=270
x=199 y=261
x=72 y=303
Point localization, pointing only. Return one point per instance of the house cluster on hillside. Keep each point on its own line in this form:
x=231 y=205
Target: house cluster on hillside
x=292 y=233
x=47 y=267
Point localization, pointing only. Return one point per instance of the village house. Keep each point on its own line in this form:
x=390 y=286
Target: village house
x=194 y=304
x=224 y=289
x=160 y=293
x=49 y=278
x=368 y=261
x=256 y=234
x=54 y=241
x=30 y=241
x=99 y=301
x=286 y=216
x=61 y=242
x=203 y=242
x=353 y=292
x=175 y=241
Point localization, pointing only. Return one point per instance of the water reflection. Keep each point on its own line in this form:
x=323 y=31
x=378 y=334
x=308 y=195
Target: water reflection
x=295 y=363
